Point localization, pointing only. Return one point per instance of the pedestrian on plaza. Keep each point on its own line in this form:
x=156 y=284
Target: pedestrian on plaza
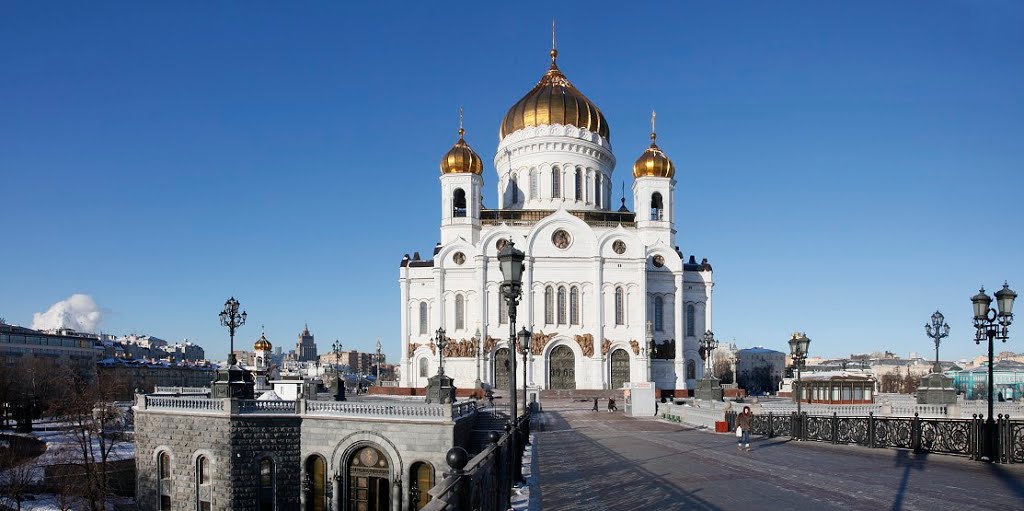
x=743 y=424
x=611 y=405
x=595 y=404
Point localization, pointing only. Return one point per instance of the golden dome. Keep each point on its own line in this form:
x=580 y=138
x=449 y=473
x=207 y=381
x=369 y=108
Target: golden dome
x=262 y=344
x=653 y=162
x=554 y=101
x=461 y=158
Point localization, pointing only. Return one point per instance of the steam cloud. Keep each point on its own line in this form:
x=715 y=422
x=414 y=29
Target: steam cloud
x=79 y=312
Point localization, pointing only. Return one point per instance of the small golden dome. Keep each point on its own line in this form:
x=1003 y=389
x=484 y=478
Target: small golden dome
x=262 y=344
x=554 y=101
x=653 y=162
x=461 y=158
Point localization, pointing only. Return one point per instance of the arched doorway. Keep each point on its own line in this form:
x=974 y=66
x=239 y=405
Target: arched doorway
x=369 y=484
x=421 y=480
x=620 y=368
x=315 y=483
x=502 y=366
x=562 y=372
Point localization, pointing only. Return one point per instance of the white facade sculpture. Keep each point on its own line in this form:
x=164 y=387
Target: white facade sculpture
x=600 y=281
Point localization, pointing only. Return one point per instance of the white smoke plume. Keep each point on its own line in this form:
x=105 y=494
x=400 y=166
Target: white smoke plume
x=79 y=312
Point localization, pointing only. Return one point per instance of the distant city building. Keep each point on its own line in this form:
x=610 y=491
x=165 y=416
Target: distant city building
x=1007 y=378
x=305 y=349
x=144 y=376
x=759 y=369
x=64 y=346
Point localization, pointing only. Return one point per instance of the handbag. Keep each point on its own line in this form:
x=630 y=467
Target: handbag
x=739 y=431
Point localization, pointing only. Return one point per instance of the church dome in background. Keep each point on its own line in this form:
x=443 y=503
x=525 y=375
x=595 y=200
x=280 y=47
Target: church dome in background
x=461 y=158
x=262 y=344
x=653 y=162
x=554 y=101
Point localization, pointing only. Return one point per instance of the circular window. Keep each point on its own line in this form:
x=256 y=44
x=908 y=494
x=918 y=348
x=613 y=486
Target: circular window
x=459 y=258
x=561 y=239
x=658 y=261
x=500 y=244
x=619 y=247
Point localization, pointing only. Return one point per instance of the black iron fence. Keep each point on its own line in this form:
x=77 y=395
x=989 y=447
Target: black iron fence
x=483 y=483
x=960 y=437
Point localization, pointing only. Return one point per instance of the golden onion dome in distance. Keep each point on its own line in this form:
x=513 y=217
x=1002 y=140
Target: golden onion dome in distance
x=262 y=344
x=554 y=101
x=653 y=162
x=461 y=158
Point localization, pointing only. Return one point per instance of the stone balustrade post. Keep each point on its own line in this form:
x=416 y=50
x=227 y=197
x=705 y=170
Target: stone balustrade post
x=953 y=411
x=231 y=406
x=300 y=406
x=886 y=409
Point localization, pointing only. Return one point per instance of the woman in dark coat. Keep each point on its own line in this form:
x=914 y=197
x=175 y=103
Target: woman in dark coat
x=743 y=423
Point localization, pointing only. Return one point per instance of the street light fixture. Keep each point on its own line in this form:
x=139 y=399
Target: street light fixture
x=708 y=344
x=378 y=361
x=991 y=324
x=937 y=330
x=230 y=318
x=440 y=341
x=524 y=348
x=510 y=260
x=798 y=345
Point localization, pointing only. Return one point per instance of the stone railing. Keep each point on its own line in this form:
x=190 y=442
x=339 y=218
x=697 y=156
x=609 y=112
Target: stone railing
x=257 y=406
x=196 y=404
x=356 y=409
x=182 y=390
x=387 y=383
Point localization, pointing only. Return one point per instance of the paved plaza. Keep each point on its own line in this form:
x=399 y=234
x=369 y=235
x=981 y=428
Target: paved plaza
x=606 y=461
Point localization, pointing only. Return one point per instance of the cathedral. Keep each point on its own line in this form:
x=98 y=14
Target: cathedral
x=607 y=293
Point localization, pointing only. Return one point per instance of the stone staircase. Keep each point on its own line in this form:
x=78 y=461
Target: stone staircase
x=582 y=394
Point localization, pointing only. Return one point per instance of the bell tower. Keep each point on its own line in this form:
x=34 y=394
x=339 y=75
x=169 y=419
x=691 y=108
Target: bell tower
x=461 y=188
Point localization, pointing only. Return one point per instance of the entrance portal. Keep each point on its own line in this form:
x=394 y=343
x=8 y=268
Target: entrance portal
x=620 y=368
x=501 y=369
x=369 y=485
x=563 y=368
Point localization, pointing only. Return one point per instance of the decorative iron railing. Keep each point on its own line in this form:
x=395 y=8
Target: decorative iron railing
x=960 y=437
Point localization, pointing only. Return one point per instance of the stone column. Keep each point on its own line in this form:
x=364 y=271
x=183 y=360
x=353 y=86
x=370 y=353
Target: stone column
x=679 y=364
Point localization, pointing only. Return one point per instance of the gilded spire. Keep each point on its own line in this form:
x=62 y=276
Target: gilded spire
x=554 y=50
x=461 y=158
x=461 y=131
x=654 y=133
x=653 y=162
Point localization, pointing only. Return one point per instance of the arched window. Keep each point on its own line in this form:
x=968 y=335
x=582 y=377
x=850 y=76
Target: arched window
x=691 y=369
x=659 y=314
x=689 y=320
x=203 y=494
x=316 y=482
x=265 y=496
x=561 y=305
x=579 y=184
x=513 y=188
x=502 y=310
x=619 y=313
x=423 y=367
x=421 y=479
x=460 y=312
x=459 y=203
x=556 y=182
x=163 y=468
x=549 y=306
x=574 y=306
x=533 y=184
x=657 y=208
x=598 y=189
x=424 y=320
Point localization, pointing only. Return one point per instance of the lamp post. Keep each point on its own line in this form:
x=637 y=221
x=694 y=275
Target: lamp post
x=708 y=343
x=440 y=341
x=524 y=348
x=378 y=361
x=798 y=345
x=510 y=260
x=230 y=318
x=991 y=324
x=336 y=348
x=937 y=330
x=479 y=348
x=648 y=350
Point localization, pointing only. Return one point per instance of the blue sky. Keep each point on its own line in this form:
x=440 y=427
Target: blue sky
x=848 y=168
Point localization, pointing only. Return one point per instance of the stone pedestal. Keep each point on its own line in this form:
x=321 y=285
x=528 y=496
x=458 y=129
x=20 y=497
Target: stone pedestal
x=338 y=389
x=936 y=389
x=233 y=382
x=440 y=389
x=709 y=389
x=639 y=399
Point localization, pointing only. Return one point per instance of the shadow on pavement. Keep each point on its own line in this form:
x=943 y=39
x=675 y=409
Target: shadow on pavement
x=1011 y=481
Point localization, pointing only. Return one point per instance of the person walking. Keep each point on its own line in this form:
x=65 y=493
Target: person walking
x=611 y=405
x=743 y=424
x=595 y=404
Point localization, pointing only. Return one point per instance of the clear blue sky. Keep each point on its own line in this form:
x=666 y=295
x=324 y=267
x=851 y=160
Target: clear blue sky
x=848 y=168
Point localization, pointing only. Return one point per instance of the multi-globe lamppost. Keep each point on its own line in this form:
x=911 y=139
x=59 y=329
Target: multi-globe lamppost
x=798 y=345
x=937 y=330
x=230 y=318
x=992 y=324
x=510 y=260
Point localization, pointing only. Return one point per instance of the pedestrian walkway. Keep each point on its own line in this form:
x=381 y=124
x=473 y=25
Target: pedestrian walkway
x=606 y=461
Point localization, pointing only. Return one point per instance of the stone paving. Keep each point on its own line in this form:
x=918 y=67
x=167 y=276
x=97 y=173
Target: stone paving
x=606 y=461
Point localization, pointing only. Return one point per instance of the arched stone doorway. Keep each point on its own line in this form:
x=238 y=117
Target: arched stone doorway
x=620 y=368
x=369 y=483
x=315 y=483
x=562 y=372
x=502 y=366
x=421 y=480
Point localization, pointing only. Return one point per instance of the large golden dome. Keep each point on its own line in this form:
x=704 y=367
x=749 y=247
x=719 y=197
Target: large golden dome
x=461 y=158
x=262 y=344
x=554 y=101
x=653 y=162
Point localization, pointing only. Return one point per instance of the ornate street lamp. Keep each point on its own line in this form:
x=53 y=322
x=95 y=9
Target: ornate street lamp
x=339 y=390
x=524 y=348
x=708 y=344
x=937 y=330
x=479 y=347
x=798 y=345
x=992 y=324
x=510 y=260
x=440 y=341
x=708 y=388
x=230 y=318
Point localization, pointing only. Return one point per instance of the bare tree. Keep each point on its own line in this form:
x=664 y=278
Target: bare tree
x=723 y=371
x=17 y=477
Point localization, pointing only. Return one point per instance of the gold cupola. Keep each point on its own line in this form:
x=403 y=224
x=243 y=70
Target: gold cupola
x=554 y=101
x=653 y=162
x=461 y=158
x=262 y=344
